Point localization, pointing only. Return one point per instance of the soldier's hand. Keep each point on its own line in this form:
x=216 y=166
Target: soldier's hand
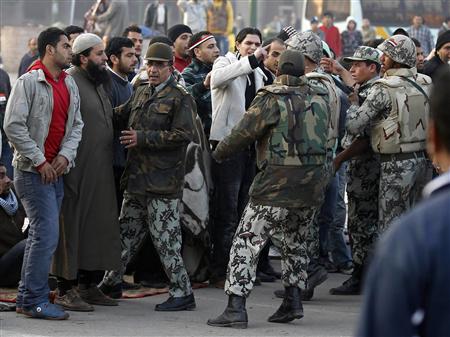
x=60 y=164
x=128 y=138
x=207 y=81
x=48 y=173
x=331 y=66
x=261 y=53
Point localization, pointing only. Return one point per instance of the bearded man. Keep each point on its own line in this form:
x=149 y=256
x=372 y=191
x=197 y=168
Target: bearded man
x=89 y=240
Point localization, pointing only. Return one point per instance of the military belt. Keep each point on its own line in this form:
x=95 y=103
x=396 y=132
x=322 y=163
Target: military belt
x=401 y=156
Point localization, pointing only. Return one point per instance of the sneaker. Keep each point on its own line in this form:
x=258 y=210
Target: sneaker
x=72 y=301
x=93 y=295
x=45 y=310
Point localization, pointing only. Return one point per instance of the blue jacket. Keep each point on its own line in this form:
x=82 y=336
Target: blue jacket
x=408 y=285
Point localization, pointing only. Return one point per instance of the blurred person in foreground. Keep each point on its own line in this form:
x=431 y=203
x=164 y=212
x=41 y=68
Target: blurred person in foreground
x=407 y=289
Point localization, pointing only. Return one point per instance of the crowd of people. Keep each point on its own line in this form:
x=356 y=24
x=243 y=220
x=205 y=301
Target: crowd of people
x=188 y=162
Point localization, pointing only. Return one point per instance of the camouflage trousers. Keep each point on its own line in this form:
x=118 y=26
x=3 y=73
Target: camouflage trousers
x=287 y=230
x=401 y=184
x=159 y=218
x=362 y=193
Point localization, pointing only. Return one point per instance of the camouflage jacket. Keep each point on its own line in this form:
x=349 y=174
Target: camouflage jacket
x=362 y=95
x=289 y=120
x=378 y=109
x=164 y=123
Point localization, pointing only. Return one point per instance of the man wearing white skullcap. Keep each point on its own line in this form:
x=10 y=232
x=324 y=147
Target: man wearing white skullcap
x=90 y=240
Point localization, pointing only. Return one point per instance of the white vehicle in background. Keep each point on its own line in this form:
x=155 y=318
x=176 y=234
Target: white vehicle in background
x=341 y=9
x=384 y=15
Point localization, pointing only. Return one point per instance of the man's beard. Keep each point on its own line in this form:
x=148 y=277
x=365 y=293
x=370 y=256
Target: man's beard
x=100 y=76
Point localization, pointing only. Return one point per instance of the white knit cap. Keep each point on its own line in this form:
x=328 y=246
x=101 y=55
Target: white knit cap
x=85 y=41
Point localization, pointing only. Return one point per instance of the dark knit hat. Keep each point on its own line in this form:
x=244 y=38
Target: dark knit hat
x=177 y=30
x=442 y=39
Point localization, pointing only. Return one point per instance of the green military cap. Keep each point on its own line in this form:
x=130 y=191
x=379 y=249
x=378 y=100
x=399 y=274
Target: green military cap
x=159 y=52
x=292 y=62
x=364 y=53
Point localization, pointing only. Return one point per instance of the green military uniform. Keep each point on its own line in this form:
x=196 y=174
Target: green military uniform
x=289 y=120
x=154 y=175
x=396 y=109
x=363 y=177
x=310 y=45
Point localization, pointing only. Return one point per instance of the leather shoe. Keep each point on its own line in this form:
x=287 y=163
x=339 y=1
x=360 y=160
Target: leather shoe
x=177 y=303
x=114 y=291
x=93 y=295
x=72 y=301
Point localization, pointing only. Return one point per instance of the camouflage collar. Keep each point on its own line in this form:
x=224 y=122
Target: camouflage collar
x=290 y=81
x=370 y=82
x=402 y=72
x=161 y=89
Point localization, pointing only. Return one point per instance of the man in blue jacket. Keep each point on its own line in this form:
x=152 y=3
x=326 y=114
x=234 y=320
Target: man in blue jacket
x=407 y=291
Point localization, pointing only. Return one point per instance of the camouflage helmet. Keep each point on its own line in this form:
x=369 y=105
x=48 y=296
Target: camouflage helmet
x=159 y=52
x=364 y=53
x=401 y=49
x=308 y=43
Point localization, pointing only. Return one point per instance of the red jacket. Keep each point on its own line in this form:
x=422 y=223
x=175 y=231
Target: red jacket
x=333 y=39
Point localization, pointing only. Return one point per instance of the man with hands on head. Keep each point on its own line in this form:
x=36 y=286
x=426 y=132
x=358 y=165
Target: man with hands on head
x=235 y=79
x=43 y=122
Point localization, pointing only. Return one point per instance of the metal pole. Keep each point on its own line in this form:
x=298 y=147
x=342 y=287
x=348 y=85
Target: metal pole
x=72 y=12
x=253 y=13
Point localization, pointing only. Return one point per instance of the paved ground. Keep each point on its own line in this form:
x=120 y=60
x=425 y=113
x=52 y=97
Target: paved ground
x=325 y=315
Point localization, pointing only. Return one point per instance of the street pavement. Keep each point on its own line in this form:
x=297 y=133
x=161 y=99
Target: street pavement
x=325 y=315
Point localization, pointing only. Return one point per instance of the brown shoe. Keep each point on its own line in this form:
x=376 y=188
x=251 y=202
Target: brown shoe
x=72 y=301
x=93 y=295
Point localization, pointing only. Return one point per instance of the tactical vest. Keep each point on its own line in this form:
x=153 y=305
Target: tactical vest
x=404 y=130
x=335 y=107
x=300 y=138
x=217 y=18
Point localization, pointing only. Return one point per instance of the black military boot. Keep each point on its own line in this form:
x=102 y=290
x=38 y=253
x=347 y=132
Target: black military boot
x=353 y=285
x=234 y=316
x=291 y=308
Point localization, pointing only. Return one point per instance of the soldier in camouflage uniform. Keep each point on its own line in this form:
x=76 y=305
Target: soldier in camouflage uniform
x=310 y=45
x=396 y=109
x=363 y=170
x=159 y=122
x=289 y=120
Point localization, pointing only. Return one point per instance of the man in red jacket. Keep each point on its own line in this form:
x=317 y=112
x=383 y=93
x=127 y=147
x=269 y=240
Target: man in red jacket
x=332 y=35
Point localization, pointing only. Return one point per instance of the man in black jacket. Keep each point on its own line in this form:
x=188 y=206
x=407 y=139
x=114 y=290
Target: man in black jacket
x=441 y=56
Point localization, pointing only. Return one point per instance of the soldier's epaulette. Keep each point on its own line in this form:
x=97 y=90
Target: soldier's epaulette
x=182 y=89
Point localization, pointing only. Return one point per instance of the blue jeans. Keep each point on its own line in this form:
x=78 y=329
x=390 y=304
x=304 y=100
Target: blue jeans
x=336 y=243
x=42 y=203
x=332 y=220
x=222 y=43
